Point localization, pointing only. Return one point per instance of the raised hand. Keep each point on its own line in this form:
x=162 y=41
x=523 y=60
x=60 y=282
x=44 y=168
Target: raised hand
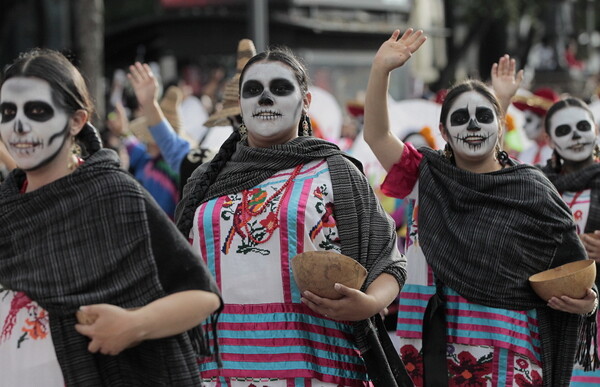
x=144 y=84
x=505 y=80
x=394 y=52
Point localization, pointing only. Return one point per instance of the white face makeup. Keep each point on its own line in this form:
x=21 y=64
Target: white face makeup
x=33 y=128
x=532 y=125
x=271 y=99
x=572 y=133
x=472 y=125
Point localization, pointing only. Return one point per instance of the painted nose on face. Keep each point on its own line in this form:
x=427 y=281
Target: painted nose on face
x=19 y=127
x=473 y=125
x=576 y=135
x=265 y=99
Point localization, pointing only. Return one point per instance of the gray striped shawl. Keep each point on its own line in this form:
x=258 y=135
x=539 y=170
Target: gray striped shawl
x=485 y=234
x=85 y=239
x=367 y=233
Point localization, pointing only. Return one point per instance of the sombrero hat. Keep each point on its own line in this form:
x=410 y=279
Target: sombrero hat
x=245 y=51
x=539 y=102
x=170 y=105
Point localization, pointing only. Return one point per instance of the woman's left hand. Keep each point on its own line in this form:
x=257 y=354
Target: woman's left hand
x=573 y=305
x=353 y=306
x=113 y=330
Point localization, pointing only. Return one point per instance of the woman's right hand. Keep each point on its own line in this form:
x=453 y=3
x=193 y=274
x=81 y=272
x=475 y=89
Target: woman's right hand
x=394 y=52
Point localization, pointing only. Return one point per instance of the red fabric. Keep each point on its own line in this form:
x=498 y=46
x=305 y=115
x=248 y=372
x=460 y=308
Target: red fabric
x=403 y=176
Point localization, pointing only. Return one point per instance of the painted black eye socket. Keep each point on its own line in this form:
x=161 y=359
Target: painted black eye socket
x=8 y=111
x=252 y=89
x=38 y=111
x=484 y=115
x=282 y=87
x=459 y=117
x=562 y=130
x=584 y=126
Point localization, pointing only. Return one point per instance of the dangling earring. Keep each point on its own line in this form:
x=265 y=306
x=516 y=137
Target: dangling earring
x=501 y=156
x=305 y=126
x=448 y=154
x=596 y=152
x=243 y=131
x=75 y=155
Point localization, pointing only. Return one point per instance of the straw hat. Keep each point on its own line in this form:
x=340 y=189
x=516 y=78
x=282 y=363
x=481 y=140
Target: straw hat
x=170 y=104
x=245 y=51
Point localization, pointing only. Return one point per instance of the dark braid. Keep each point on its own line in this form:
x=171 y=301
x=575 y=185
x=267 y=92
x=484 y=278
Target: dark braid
x=89 y=138
x=194 y=193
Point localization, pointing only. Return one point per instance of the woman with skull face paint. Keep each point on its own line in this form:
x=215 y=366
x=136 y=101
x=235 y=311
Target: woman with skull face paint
x=575 y=172
x=480 y=226
x=274 y=191
x=99 y=288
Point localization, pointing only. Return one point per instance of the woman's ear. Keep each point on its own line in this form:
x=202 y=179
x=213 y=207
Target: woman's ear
x=77 y=121
x=443 y=132
x=307 y=98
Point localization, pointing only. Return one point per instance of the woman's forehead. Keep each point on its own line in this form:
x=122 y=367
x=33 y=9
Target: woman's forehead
x=25 y=88
x=267 y=70
x=471 y=99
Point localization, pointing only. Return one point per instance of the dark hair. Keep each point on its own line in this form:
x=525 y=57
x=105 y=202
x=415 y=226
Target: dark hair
x=69 y=90
x=286 y=56
x=559 y=105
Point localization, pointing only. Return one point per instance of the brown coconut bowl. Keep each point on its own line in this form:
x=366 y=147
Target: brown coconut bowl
x=572 y=279
x=318 y=271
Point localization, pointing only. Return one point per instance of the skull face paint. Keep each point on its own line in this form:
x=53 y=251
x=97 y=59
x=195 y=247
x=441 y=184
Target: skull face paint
x=572 y=133
x=271 y=99
x=532 y=125
x=32 y=126
x=472 y=125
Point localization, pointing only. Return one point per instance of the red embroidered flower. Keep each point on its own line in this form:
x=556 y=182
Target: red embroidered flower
x=469 y=372
x=270 y=223
x=523 y=381
x=522 y=363
x=413 y=363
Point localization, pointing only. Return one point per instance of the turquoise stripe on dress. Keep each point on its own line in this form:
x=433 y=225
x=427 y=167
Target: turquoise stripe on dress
x=207 y=223
x=284 y=366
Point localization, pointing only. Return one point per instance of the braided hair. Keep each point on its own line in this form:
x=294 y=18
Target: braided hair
x=198 y=191
x=69 y=90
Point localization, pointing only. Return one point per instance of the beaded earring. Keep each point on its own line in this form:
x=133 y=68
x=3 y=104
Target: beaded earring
x=243 y=131
x=75 y=155
x=305 y=128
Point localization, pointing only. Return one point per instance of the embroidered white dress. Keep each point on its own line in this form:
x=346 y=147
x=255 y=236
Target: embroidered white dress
x=27 y=356
x=267 y=337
